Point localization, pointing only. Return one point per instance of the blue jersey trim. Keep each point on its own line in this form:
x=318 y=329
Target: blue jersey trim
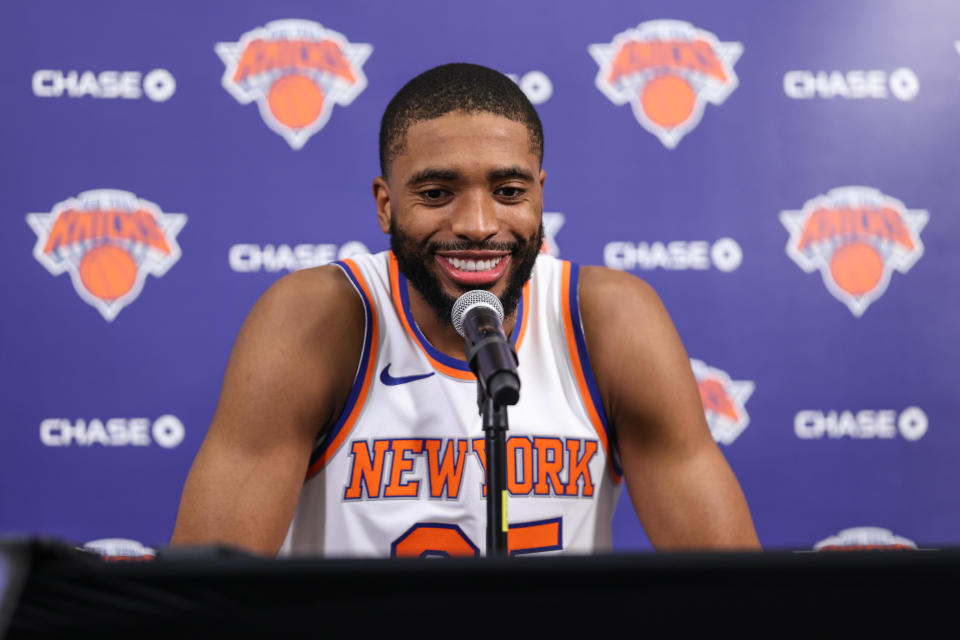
x=453 y=363
x=329 y=437
x=587 y=368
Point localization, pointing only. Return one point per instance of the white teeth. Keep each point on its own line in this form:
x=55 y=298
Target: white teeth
x=474 y=265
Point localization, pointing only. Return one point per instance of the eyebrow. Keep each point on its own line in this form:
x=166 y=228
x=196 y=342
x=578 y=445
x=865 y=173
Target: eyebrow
x=509 y=173
x=432 y=173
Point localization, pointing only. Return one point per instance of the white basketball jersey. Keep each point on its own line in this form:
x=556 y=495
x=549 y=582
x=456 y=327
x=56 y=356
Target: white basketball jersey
x=402 y=472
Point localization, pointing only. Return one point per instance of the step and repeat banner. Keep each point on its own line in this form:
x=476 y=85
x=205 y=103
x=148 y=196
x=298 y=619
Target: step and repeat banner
x=785 y=175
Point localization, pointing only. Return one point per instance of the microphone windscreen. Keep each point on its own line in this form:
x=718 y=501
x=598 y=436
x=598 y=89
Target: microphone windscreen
x=469 y=300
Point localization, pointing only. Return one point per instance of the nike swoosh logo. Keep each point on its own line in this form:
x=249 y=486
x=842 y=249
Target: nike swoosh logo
x=389 y=380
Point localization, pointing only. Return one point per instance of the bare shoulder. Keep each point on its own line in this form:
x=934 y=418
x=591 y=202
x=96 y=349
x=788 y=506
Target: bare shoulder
x=637 y=357
x=304 y=334
x=617 y=309
x=305 y=299
x=615 y=294
x=683 y=491
x=288 y=376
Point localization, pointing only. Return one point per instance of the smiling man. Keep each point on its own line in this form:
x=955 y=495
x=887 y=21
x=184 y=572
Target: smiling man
x=347 y=424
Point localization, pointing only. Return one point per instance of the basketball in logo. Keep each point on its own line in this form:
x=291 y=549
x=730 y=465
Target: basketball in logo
x=295 y=70
x=666 y=70
x=856 y=237
x=108 y=240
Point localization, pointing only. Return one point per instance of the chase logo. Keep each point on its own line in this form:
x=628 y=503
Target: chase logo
x=667 y=70
x=812 y=424
x=295 y=70
x=108 y=240
x=724 y=401
x=856 y=237
x=166 y=431
x=158 y=85
x=857 y=84
x=536 y=85
x=253 y=258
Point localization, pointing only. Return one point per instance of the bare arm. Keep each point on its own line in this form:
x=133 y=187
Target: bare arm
x=681 y=486
x=288 y=376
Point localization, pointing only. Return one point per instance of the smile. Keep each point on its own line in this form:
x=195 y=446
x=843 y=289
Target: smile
x=474 y=265
x=473 y=271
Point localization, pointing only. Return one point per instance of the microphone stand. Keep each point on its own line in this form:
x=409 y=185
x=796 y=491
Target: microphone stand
x=493 y=361
x=495 y=428
x=494 y=418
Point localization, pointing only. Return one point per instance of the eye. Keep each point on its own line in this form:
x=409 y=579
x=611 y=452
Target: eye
x=510 y=192
x=434 y=196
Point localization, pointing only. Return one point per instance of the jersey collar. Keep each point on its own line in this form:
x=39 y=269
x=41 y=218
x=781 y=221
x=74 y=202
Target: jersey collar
x=453 y=367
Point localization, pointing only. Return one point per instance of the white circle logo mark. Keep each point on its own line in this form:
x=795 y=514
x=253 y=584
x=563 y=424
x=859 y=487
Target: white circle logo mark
x=168 y=431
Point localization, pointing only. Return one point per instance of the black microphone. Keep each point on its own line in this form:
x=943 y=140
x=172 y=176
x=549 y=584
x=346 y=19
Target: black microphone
x=478 y=316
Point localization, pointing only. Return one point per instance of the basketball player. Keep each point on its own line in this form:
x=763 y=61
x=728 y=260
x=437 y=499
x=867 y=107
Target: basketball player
x=347 y=423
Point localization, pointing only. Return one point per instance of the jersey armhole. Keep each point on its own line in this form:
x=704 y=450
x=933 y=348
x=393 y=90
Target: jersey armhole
x=328 y=443
x=582 y=370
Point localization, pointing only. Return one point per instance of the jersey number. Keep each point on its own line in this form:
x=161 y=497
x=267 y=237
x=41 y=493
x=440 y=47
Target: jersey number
x=434 y=539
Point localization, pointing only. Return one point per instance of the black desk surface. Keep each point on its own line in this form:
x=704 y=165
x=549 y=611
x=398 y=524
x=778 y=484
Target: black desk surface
x=196 y=591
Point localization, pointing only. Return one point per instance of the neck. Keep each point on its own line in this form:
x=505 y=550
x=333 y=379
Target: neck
x=443 y=336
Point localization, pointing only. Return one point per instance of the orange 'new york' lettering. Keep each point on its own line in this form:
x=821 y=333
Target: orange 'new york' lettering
x=579 y=468
x=524 y=447
x=366 y=471
x=480 y=448
x=445 y=474
x=548 y=470
x=402 y=464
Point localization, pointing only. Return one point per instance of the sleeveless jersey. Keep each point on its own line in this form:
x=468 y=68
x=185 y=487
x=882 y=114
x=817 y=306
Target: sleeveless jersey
x=402 y=471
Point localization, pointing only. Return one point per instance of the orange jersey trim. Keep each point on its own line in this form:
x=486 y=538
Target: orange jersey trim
x=569 y=299
x=364 y=373
x=454 y=367
x=524 y=315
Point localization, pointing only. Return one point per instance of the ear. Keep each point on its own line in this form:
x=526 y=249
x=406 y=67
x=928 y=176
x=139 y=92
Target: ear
x=540 y=180
x=381 y=195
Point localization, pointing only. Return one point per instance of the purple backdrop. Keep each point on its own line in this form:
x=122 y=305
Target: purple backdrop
x=784 y=174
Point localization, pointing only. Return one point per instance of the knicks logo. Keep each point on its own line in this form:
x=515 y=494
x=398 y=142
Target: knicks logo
x=295 y=70
x=866 y=539
x=856 y=237
x=109 y=240
x=667 y=70
x=723 y=401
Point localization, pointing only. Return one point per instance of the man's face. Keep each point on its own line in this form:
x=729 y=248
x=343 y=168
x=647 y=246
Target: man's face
x=463 y=207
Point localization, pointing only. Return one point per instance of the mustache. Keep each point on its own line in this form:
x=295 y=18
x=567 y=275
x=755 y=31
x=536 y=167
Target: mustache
x=467 y=245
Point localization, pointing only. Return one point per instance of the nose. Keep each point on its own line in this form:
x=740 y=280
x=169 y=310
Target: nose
x=475 y=217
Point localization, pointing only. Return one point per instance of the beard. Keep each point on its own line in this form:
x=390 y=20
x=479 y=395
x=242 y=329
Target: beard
x=413 y=261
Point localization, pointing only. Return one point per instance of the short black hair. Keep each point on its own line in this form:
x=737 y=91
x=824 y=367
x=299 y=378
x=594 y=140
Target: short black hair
x=460 y=86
